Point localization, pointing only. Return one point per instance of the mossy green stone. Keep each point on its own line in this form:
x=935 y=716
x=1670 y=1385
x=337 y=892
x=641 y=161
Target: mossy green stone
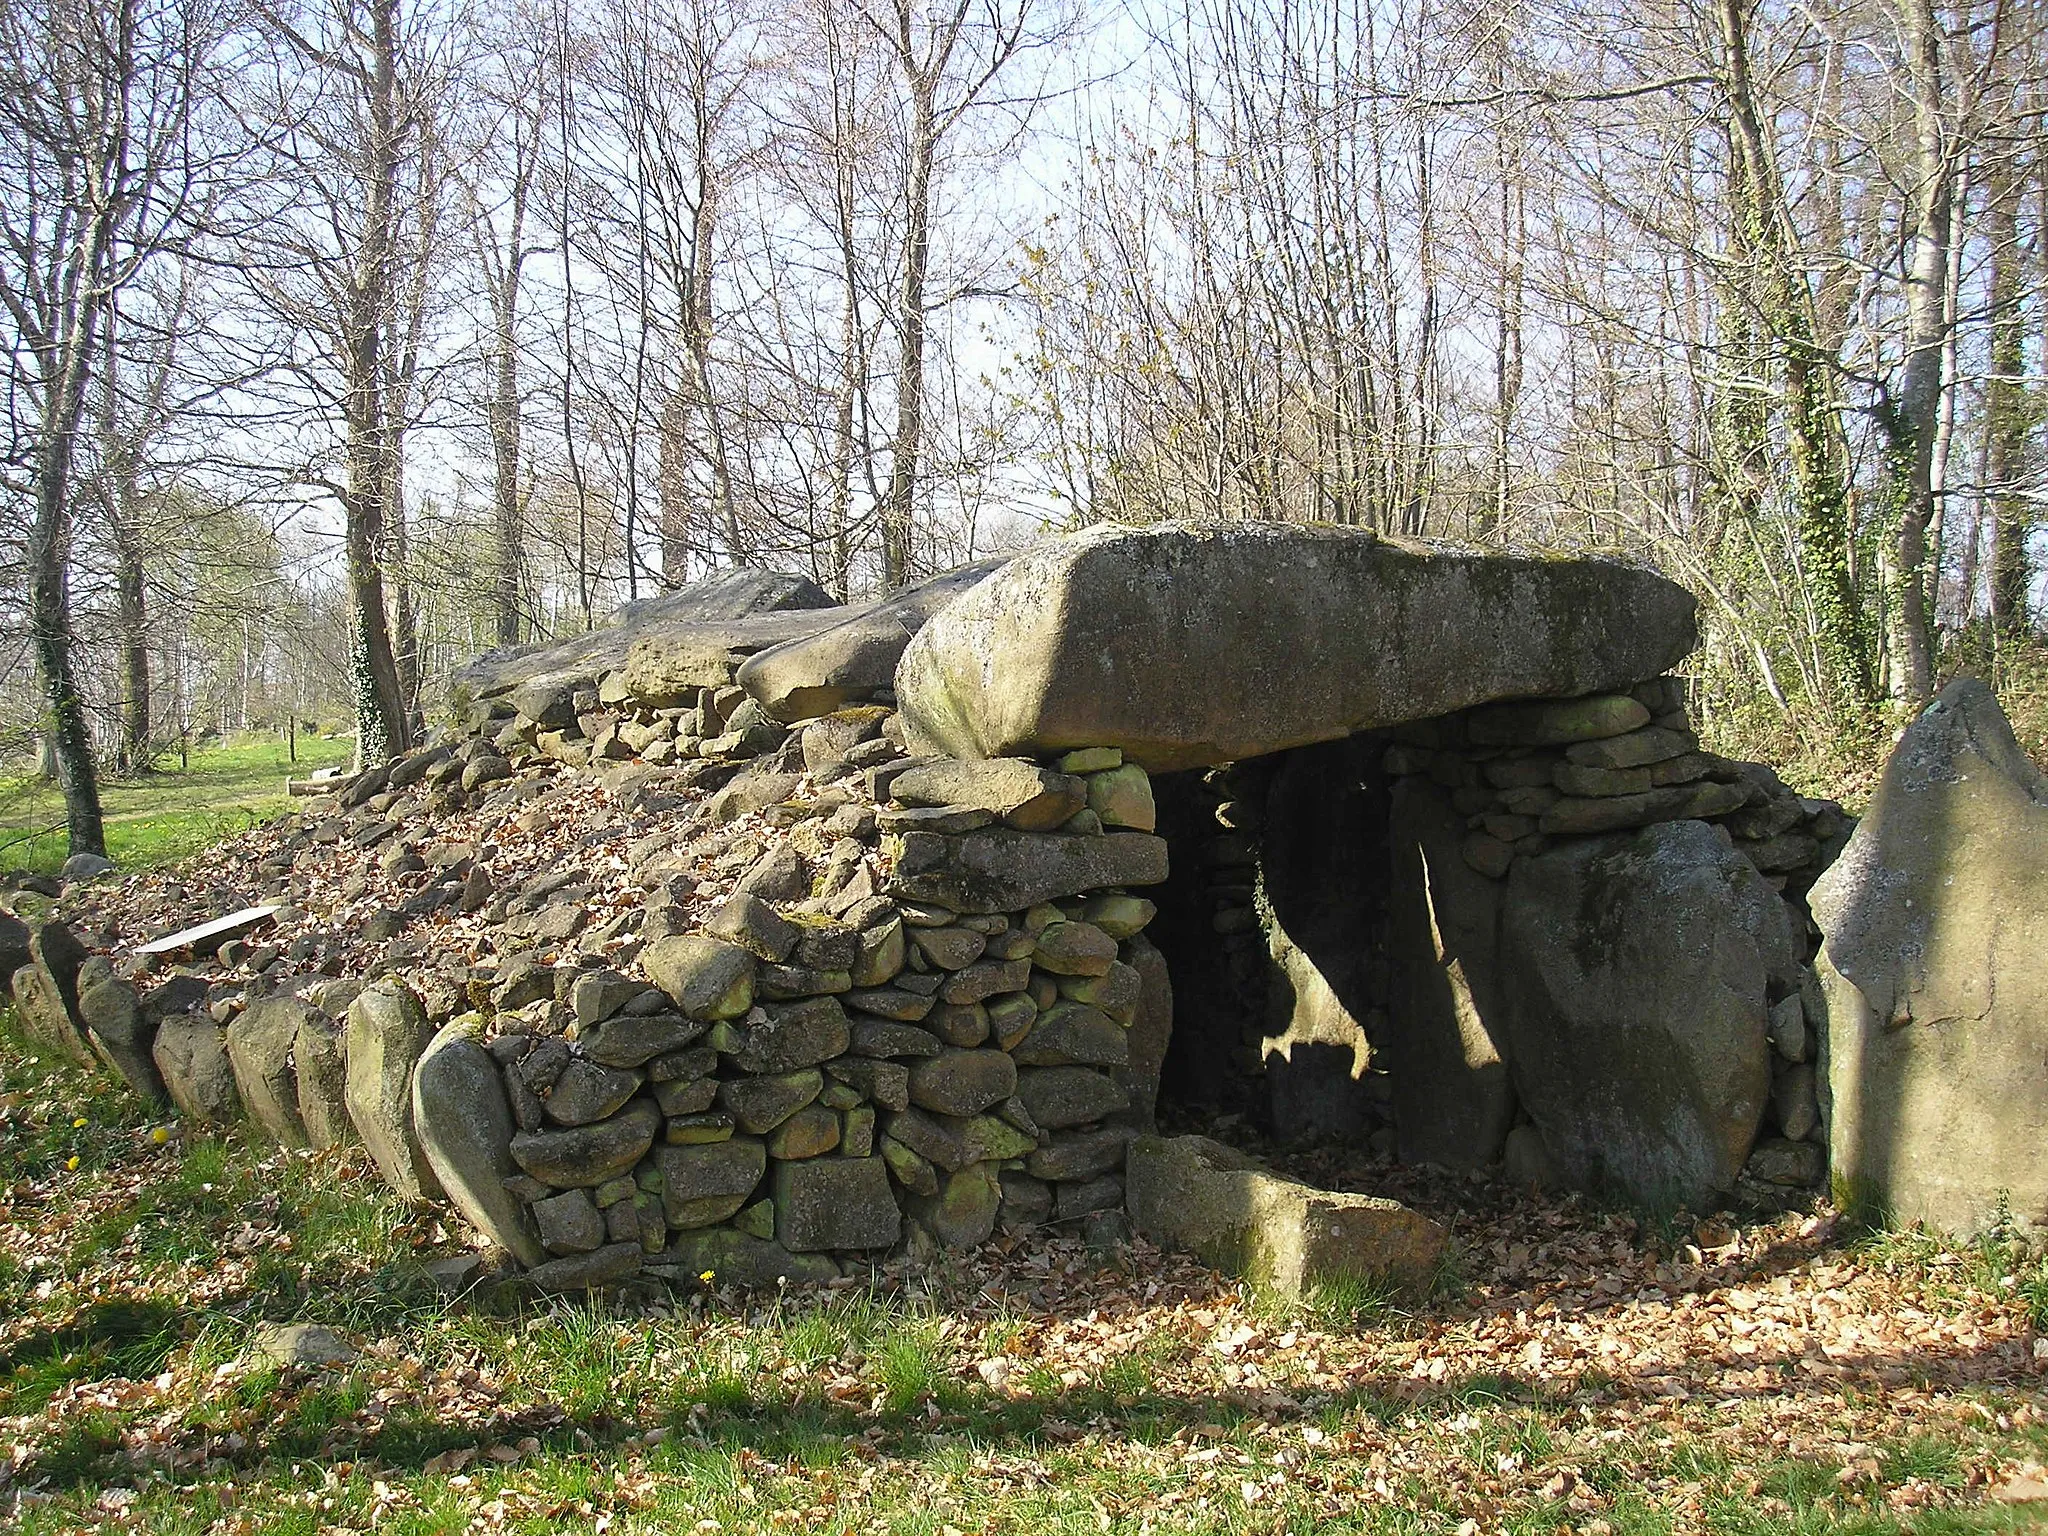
x=707 y=978
x=909 y=1168
x=1010 y=1018
x=811 y=1132
x=698 y=1130
x=1119 y=915
x=1091 y=760
x=757 y=1220
x=1122 y=797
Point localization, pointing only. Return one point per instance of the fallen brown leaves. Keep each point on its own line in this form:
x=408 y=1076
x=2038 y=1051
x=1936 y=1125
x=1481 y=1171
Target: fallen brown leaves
x=1577 y=1343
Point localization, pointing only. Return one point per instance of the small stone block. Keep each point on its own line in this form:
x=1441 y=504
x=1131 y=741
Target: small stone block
x=835 y=1202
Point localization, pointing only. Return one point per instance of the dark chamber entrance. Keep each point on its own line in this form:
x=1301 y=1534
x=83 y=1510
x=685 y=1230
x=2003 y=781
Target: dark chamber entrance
x=1274 y=927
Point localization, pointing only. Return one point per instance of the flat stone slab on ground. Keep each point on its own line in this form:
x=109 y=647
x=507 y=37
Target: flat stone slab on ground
x=1198 y=1196
x=207 y=937
x=301 y=1344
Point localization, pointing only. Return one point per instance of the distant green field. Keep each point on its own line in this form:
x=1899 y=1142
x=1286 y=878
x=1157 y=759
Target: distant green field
x=168 y=814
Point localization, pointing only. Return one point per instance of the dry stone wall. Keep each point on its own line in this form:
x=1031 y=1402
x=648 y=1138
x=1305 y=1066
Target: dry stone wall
x=805 y=1079
x=925 y=1006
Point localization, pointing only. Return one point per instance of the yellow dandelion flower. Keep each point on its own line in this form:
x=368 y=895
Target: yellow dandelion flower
x=161 y=1135
x=71 y=1164
x=705 y=1277
x=80 y=1123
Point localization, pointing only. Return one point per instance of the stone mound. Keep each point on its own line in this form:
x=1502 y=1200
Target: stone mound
x=652 y=1020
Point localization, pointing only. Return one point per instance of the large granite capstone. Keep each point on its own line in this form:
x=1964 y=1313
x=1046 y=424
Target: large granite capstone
x=1188 y=644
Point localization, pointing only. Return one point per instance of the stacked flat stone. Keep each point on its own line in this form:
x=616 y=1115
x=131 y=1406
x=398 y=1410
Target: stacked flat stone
x=1524 y=774
x=578 y=725
x=792 y=1087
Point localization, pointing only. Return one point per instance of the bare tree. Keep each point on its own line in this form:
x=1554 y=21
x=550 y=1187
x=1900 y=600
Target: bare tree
x=950 y=61
x=355 y=91
x=99 y=171
x=503 y=181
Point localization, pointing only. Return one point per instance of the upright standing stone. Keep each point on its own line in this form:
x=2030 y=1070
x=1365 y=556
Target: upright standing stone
x=386 y=1032
x=1150 y=1033
x=1446 y=1017
x=321 y=1069
x=1934 y=966
x=112 y=1015
x=465 y=1129
x=46 y=990
x=1638 y=971
x=260 y=1047
x=191 y=1052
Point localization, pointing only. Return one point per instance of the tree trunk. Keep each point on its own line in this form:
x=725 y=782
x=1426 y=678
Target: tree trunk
x=908 y=443
x=840 y=494
x=119 y=499
x=1507 y=368
x=704 y=229
x=130 y=604
x=68 y=731
x=382 y=723
x=397 y=563
x=1759 y=225
x=1912 y=418
x=672 y=476
x=510 y=553
x=2007 y=414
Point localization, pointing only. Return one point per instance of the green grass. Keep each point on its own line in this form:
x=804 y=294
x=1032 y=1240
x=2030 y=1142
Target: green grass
x=2002 y=1261
x=170 y=813
x=852 y=1410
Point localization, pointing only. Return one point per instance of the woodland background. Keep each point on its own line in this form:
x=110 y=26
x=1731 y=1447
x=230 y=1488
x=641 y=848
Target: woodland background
x=346 y=339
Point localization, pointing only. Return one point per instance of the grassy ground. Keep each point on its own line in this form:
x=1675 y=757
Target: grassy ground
x=169 y=814
x=1037 y=1392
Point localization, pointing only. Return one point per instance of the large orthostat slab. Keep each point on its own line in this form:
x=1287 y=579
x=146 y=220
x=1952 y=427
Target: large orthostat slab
x=1188 y=644
x=1935 y=974
x=1637 y=973
x=816 y=674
